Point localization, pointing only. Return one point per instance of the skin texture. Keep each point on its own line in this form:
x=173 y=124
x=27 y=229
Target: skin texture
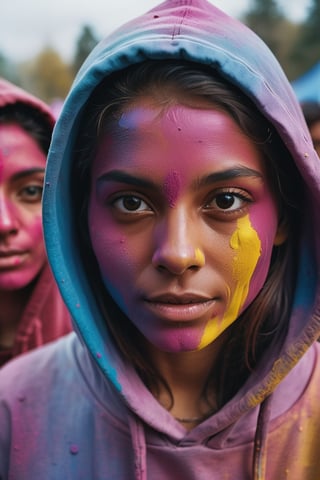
x=182 y=221
x=22 y=164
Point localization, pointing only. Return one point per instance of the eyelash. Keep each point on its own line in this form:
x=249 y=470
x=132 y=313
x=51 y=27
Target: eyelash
x=234 y=194
x=31 y=193
x=122 y=198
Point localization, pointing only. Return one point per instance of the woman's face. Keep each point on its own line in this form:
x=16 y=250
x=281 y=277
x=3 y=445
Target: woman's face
x=182 y=221
x=22 y=164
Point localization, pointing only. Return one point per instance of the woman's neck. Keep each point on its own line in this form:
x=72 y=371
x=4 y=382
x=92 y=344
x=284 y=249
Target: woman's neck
x=187 y=374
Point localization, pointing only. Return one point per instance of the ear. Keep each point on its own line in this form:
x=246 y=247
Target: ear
x=281 y=235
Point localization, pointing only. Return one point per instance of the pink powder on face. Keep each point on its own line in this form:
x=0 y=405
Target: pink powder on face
x=172 y=186
x=20 y=156
x=172 y=149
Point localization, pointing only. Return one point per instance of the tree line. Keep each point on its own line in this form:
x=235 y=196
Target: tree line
x=296 y=45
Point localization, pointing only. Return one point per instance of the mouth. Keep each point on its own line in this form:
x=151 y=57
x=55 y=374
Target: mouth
x=11 y=258
x=180 y=308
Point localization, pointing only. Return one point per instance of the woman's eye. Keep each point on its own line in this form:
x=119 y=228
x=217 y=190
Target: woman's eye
x=31 y=193
x=130 y=203
x=228 y=201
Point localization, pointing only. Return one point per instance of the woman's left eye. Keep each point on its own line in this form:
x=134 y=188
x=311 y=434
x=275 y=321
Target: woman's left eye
x=130 y=203
x=228 y=201
x=31 y=193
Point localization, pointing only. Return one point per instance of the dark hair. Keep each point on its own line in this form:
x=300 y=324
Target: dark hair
x=311 y=111
x=33 y=121
x=266 y=318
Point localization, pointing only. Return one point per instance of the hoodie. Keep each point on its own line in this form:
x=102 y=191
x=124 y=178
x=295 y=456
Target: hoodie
x=77 y=409
x=45 y=317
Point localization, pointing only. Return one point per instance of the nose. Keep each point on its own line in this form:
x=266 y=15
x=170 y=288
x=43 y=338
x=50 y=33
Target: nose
x=177 y=245
x=8 y=221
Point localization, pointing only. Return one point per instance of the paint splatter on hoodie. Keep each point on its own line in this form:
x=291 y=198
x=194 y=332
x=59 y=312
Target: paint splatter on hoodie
x=76 y=409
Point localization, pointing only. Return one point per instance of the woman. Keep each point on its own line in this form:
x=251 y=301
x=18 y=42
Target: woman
x=183 y=187
x=32 y=312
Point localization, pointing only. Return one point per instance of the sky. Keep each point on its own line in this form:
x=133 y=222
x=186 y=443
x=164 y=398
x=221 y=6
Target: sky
x=28 y=26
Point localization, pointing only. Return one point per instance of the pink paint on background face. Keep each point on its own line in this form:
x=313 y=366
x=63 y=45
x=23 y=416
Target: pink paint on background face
x=162 y=244
x=22 y=252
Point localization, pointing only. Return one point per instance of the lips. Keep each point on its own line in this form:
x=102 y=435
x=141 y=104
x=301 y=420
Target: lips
x=185 y=298
x=11 y=258
x=185 y=307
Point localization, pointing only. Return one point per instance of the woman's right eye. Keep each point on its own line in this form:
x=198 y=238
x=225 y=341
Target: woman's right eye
x=130 y=203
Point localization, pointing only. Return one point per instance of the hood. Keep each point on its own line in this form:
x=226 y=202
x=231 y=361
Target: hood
x=191 y=30
x=11 y=94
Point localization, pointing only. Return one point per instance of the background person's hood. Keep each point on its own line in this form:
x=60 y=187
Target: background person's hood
x=11 y=94
x=191 y=30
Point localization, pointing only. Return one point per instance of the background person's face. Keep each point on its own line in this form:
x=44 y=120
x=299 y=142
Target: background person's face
x=182 y=221
x=22 y=252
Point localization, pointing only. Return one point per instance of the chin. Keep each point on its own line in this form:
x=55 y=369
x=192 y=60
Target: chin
x=176 y=343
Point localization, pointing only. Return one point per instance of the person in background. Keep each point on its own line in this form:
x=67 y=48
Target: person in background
x=32 y=311
x=311 y=111
x=182 y=224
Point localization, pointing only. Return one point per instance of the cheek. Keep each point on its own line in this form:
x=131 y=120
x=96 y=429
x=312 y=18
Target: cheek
x=35 y=229
x=112 y=252
x=247 y=250
x=110 y=249
x=265 y=224
x=36 y=236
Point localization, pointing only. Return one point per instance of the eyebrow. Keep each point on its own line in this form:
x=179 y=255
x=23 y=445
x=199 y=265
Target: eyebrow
x=122 y=177
x=232 y=173
x=28 y=172
x=225 y=175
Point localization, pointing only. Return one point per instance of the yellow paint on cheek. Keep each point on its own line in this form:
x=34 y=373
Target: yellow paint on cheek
x=247 y=246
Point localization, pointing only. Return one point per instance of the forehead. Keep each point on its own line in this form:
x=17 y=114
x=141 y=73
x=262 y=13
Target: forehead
x=18 y=150
x=175 y=135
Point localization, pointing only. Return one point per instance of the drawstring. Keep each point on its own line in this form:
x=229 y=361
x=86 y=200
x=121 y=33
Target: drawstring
x=260 y=441
x=259 y=449
x=139 y=448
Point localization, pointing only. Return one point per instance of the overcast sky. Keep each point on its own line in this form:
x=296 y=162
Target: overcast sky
x=27 y=26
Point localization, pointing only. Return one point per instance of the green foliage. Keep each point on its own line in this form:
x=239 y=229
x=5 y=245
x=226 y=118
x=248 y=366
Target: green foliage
x=296 y=45
x=306 y=49
x=86 y=42
x=8 y=70
x=47 y=76
x=266 y=20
